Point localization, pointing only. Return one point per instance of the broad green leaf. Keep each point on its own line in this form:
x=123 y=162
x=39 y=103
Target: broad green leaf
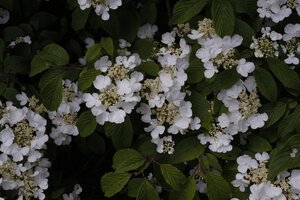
x=186 y=192
x=79 y=18
x=113 y=182
x=121 y=134
x=134 y=186
x=284 y=73
x=93 y=52
x=258 y=144
x=213 y=162
x=16 y=64
x=145 y=48
x=223 y=17
x=245 y=30
x=10 y=94
x=195 y=72
x=149 y=67
x=217 y=187
x=87 y=77
x=280 y=159
x=246 y=6
x=172 y=175
x=86 y=124
x=185 y=10
x=147 y=192
x=108 y=45
x=186 y=149
x=11 y=33
x=38 y=65
x=51 y=89
x=225 y=80
x=201 y=109
x=274 y=112
x=127 y=159
x=55 y=54
x=289 y=123
x=266 y=84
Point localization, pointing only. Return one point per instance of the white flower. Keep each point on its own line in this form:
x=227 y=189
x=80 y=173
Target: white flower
x=74 y=195
x=244 y=68
x=4 y=16
x=103 y=63
x=295 y=179
x=266 y=191
x=147 y=31
x=123 y=43
x=89 y=42
x=168 y=38
x=274 y=9
x=164 y=145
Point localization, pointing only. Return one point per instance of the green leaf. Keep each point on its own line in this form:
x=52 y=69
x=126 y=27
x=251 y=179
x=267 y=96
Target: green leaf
x=38 y=65
x=121 y=133
x=185 y=10
x=280 y=159
x=113 y=182
x=133 y=186
x=195 y=72
x=51 y=89
x=147 y=192
x=266 y=84
x=289 y=123
x=225 y=80
x=245 y=30
x=108 y=45
x=86 y=124
x=284 y=73
x=246 y=6
x=87 y=77
x=217 y=187
x=55 y=54
x=42 y=20
x=127 y=159
x=145 y=48
x=79 y=18
x=200 y=108
x=149 y=67
x=186 y=149
x=2 y=88
x=8 y=4
x=172 y=175
x=258 y=144
x=16 y=64
x=213 y=162
x=186 y=192
x=10 y=94
x=223 y=17
x=274 y=112
x=93 y=52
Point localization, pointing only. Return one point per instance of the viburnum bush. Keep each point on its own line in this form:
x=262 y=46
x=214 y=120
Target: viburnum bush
x=149 y=99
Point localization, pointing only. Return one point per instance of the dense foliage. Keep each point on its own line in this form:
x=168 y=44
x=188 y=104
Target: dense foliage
x=149 y=99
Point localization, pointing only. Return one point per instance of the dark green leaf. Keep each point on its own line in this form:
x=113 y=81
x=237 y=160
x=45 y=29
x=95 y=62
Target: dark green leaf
x=55 y=54
x=147 y=192
x=86 y=124
x=79 y=18
x=258 y=144
x=217 y=187
x=149 y=67
x=186 y=192
x=108 y=45
x=274 y=112
x=195 y=72
x=172 y=175
x=87 y=77
x=93 y=52
x=113 y=182
x=127 y=159
x=134 y=186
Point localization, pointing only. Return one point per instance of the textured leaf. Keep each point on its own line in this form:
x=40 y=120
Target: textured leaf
x=258 y=144
x=289 y=123
x=108 y=45
x=195 y=72
x=134 y=186
x=245 y=30
x=93 y=52
x=149 y=67
x=217 y=187
x=127 y=159
x=79 y=18
x=147 y=192
x=185 y=10
x=86 y=124
x=87 y=77
x=225 y=80
x=121 y=133
x=38 y=65
x=144 y=48
x=172 y=175
x=280 y=159
x=113 y=182
x=186 y=192
x=274 y=112
x=266 y=84
x=223 y=17
x=55 y=54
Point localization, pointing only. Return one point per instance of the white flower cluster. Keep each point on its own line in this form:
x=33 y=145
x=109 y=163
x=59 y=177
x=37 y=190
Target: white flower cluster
x=254 y=173
x=101 y=6
x=218 y=53
x=118 y=89
x=75 y=194
x=277 y=10
x=23 y=138
x=18 y=40
x=64 y=119
x=291 y=45
x=4 y=16
x=165 y=109
x=242 y=102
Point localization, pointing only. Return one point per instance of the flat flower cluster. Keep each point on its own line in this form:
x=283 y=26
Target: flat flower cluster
x=253 y=173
